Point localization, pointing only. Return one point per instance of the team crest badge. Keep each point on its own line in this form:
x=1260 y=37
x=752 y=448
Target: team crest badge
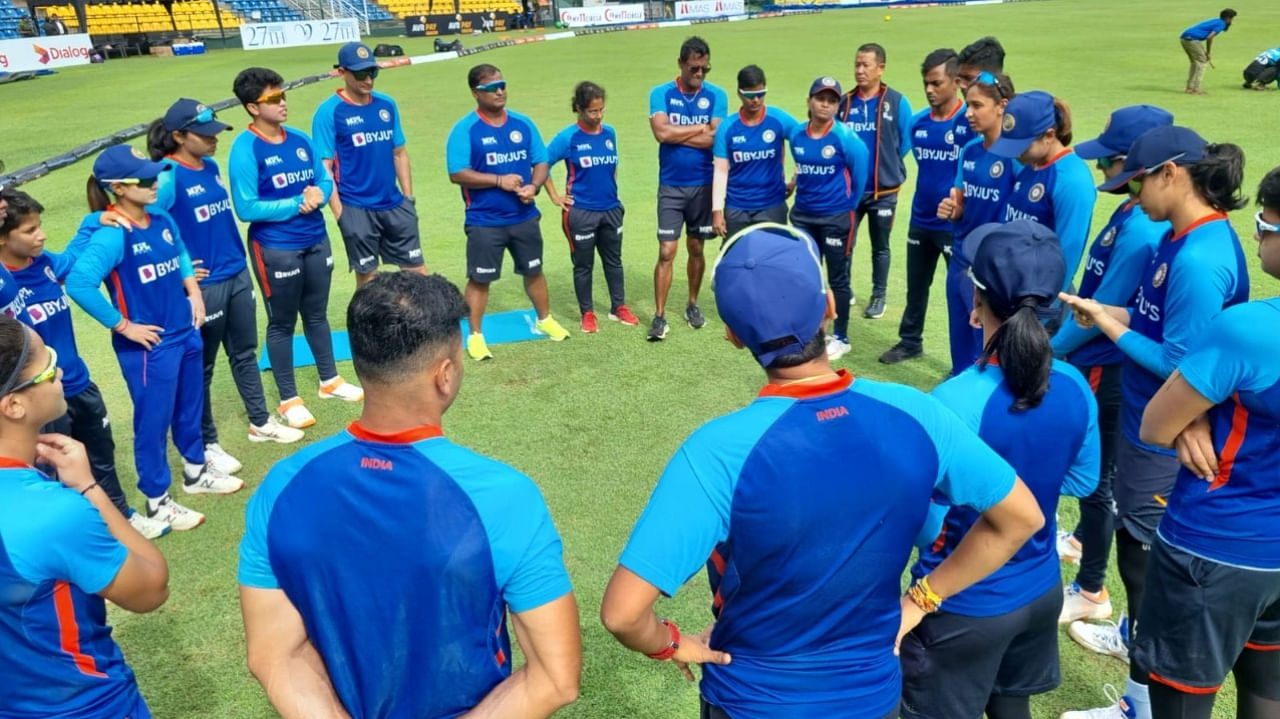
x=167 y=235
x=997 y=169
x=769 y=136
x=608 y=144
x=1008 y=123
x=1109 y=238
x=385 y=114
x=1161 y=272
x=829 y=151
x=950 y=137
x=48 y=272
x=137 y=153
x=362 y=52
x=516 y=136
x=703 y=103
x=302 y=154
x=1036 y=193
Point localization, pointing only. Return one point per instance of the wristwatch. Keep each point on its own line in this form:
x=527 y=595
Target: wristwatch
x=670 y=650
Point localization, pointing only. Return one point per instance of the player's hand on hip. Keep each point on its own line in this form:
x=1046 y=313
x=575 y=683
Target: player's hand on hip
x=146 y=335
x=197 y=310
x=912 y=615
x=1195 y=449
x=696 y=649
x=200 y=271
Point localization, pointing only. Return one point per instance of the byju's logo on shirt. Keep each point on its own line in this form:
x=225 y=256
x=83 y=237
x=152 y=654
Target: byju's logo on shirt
x=502 y=158
x=360 y=139
x=284 y=179
x=587 y=161
x=41 y=311
x=204 y=213
x=150 y=273
x=740 y=156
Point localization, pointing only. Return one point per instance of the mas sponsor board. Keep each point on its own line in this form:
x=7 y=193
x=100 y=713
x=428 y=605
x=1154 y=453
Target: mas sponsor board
x=692 y=9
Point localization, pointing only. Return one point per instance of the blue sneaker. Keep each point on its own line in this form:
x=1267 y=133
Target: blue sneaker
x=1120 y=708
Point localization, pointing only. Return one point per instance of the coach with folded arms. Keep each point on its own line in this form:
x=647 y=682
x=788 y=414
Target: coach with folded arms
x=807 y=602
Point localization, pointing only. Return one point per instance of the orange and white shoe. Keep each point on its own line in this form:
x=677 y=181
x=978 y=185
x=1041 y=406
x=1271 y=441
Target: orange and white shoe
x=296 y=414
x=338 y=388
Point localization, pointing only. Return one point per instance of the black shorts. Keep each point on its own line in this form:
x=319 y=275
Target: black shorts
x=590 y=226
x=1198 y=615
x=485 y=246
x=687 y=208
x=735 y=220
x=1257 y=73
x=1141 y=475
x=953 y=664
x=389 y=234
x=707 y=710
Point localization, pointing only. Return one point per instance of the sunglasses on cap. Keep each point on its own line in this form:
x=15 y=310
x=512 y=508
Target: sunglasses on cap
x=986 y=78
x=206 y=115
x=1263 y=226
x=271 y=98
x=752 y=94
x=362 y=75
x=1106 y=163
x=494 y=86
x=974 y=279
x=44 y=375
x=143 y=182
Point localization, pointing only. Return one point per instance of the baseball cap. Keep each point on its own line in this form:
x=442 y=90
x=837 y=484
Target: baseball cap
x=1027 y=116
x=1123 y=127
x=124 y=162
x=1168 y=143
x=193 y=116
x=826 y=82
x=1013 y=260
x=356 y=56
x=770 y=289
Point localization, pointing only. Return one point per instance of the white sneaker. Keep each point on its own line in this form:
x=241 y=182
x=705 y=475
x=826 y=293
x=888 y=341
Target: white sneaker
x=338 y=388
x=1120 y=707
x=1077 y=604
x=836 y=347
x=217 y=456
x=273 y=431
x=146 y=526
x=1069 y=549
x=1105 y=638
x=296 y=414
x=175 y=515
x=211 y=480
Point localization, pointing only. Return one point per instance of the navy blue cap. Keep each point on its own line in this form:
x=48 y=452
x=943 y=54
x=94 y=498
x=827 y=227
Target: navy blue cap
x=193 y=116
x=1013 y=260
x=1027 y=116
x=1169 y=143
x=826 y=82
x=124 y=162
x=770 y=289
x=1124 y=127
x=356 y=56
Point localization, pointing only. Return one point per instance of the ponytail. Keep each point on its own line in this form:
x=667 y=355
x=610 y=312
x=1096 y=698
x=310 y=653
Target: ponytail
x=96 y=196
x=160 y=142
x=1219 y=176
x=1022 y=347
x=1062 y=121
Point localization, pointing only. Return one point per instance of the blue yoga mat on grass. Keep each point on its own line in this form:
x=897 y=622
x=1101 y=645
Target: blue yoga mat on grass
x=502 y=328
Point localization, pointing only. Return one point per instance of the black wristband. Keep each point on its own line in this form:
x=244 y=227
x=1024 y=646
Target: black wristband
x=85 y=491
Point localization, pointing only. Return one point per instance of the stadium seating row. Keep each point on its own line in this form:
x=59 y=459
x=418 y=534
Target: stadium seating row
x=407 y=8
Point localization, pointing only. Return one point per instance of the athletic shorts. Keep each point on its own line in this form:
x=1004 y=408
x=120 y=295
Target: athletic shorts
x=684 y=208
x=585 y=226
x=1198 y=615
x=1141 y=475
x=389 y=234
x=485 y=246
x=707 y=710
x=953 y=664
x=735 y=220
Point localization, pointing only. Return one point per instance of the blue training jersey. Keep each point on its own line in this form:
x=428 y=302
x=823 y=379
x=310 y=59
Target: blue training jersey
x=986 y=180
x=511 y=146
x=49 y=314
x=1059 y=195
x=143 y=270
x=830 y=167
x=936 y=144
x=591 y=165
x=1235 y=519
x=757 y=177
x=10 y=297
x=806 y=591
x=267 y=180
x=865 y=116
x=1204 y=30
x=1192 y=277
x=407 y=609
x=57 y=657
x=197 y=199
x=1112 y=272
x=1055 y=449
x=681 y=165
x=361 y=141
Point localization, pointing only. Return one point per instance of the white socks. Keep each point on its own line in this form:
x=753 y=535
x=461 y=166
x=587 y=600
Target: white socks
x=154 y=503
x=191 y=469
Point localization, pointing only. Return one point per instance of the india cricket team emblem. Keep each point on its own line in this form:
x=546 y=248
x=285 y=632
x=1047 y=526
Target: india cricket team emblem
x=997 y=169
x=1008 y=123
x=1110 y=237
x=516 y=136
x=1161 y=272
x=1037 y=192
x=769 y=136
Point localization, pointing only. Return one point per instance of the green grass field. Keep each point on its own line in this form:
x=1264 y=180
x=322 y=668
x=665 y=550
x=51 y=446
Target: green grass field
x=593 y=420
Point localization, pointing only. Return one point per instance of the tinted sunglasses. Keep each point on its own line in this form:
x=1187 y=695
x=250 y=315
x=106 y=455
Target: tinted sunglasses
x=362 y=75
x=1263 y=226
x=272 y=98
x=204 y=116
x=44 y=375
x=143 y=182
x=699 y=69
x=1106 y=163
x=752 y=94
x=986 y=78
x=492 y=86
